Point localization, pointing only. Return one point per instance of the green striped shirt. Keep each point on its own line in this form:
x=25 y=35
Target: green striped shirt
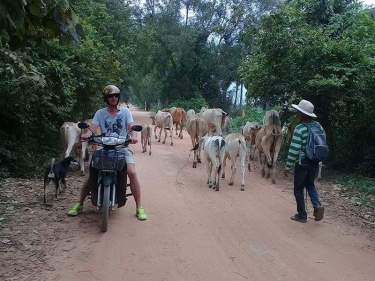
x=298 y=142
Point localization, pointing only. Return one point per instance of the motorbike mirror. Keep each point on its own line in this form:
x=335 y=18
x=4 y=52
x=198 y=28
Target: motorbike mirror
x=83 y=125
x=137 y=128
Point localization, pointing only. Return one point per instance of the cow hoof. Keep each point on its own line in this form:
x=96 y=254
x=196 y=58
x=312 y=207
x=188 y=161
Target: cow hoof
x=171 y=144
x=231 y=183
x=199 y=161
x=158 y=140
x=194 y=165
x=143 y=151
x=242 y=188
x=223 y=176
x=217 y=189
x=273 y=181
x=149 y=153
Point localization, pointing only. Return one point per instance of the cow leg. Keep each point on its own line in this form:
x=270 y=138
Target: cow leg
x=209 y=171
x=233 y=169
x=224 y=165
x=181 y=135
x=199 y=152
x=149 y=143
x=160 y=134
x=165 y=135
x=171 y=137
x=243 y=168
x=249 y=158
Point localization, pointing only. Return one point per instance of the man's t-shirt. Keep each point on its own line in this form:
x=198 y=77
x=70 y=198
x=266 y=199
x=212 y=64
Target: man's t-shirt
x=113 y=124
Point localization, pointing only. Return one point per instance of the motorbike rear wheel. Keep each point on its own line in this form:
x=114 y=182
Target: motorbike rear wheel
x=105 y=207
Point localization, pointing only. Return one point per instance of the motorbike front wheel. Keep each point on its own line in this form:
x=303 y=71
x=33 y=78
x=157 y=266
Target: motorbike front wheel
x=105 y=207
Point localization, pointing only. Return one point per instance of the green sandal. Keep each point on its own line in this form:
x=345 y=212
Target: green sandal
x=75 y=210
x=140 y=213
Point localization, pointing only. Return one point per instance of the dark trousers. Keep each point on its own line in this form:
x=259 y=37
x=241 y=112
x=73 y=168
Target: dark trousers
x=304 y=177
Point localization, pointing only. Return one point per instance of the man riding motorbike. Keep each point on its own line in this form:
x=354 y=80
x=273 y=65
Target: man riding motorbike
x=113 y=120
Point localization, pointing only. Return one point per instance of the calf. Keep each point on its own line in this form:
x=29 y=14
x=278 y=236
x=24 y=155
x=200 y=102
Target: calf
x=197 y=128
x=57 y=172
x=146 y=137
x=214 y=152
x=235 y=146
x=163 y=120
x=249 y=131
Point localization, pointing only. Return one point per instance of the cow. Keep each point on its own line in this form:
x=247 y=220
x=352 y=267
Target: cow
x=214 y=152
x=178 y=116
x=235 y=146
x=197 y=127
x=163 y=120
x=146 y=137
x=215 y=118
x=71 y=139
x=249 y=131
x=268 y=142
x=190 y=113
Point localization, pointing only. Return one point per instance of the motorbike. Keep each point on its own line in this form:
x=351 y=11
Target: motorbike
x=109 y=160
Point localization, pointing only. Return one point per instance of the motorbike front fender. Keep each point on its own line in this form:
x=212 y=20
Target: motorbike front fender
x=107 y=179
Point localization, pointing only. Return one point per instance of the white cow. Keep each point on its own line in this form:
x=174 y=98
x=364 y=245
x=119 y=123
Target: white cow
x=190 y=113
x=163 y=120
x=215 y=118
x=71 y=139
x=235 y=146
x=249 y=131
x=214 y=152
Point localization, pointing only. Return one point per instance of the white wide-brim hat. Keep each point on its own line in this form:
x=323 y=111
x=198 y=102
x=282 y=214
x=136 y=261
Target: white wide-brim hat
x=305 y=107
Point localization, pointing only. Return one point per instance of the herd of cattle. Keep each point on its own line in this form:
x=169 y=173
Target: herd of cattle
x=206 y=130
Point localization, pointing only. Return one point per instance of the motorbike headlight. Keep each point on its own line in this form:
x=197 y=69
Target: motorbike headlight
x=98 y=139
x=109 y=140
x=121 y=141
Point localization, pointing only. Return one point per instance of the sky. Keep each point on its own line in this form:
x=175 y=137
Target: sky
x=368 y=2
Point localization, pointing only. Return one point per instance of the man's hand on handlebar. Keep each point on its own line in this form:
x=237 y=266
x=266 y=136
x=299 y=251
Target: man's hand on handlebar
x=86 y=135
x=134 y=140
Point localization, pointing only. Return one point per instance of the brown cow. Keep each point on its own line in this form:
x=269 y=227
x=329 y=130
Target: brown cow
x=178 y=116
x=268 y=142
x=197 y=127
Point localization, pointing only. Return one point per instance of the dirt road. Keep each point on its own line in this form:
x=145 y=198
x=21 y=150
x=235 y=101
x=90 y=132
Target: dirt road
x=194 y=233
